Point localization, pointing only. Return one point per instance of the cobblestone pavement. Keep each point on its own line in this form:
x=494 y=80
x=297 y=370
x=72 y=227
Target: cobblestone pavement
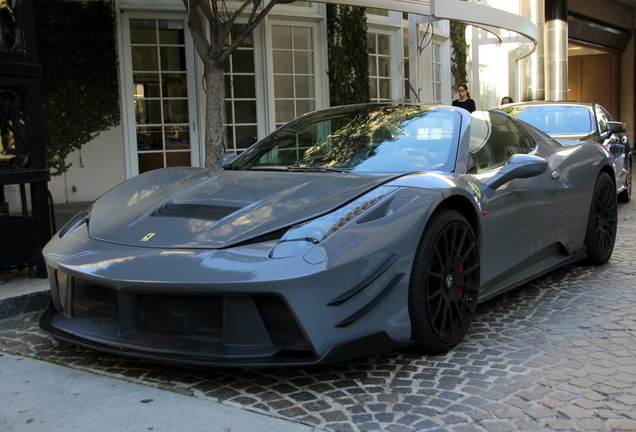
x=556 y=354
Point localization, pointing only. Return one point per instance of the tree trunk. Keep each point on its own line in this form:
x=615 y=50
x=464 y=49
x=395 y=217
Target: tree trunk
x=214 y=82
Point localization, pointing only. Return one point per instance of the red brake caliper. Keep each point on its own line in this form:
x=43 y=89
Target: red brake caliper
x=460 y=270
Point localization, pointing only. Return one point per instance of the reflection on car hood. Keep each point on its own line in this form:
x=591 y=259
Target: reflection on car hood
x=223 y=208
x=569 y=142
x=568 y=139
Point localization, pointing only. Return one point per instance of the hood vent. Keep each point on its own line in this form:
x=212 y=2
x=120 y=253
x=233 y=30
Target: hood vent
x=273 y=236
x=194 y=211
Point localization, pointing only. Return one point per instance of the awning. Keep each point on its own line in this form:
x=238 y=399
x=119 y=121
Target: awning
x=490 y=19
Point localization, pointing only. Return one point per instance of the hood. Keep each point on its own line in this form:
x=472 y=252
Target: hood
x=574 y=139
x=217 y=209
x=569 y=142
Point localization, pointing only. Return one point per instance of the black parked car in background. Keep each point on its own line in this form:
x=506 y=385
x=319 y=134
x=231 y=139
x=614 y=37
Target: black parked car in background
x=582 y=121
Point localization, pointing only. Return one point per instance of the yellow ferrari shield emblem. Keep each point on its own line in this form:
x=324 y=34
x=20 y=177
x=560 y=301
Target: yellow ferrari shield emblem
x=475 y=189
x=148 y=237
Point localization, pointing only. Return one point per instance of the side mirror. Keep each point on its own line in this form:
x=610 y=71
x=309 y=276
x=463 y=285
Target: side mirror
x=616 y=127
x=518 y=166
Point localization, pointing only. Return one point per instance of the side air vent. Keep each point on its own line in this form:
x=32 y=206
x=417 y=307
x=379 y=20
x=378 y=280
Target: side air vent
x=194 y=211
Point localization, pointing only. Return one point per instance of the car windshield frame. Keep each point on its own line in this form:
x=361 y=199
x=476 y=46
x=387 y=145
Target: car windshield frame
x=556 y=119
x=370 y=138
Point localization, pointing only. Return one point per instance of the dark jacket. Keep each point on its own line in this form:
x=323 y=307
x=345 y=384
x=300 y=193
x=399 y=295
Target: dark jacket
x=468 y=104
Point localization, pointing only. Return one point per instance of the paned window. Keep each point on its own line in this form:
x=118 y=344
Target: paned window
x=436 y=72
x=293 y=72
x=240 y=96
x=405 y=64
x=379 y=67
x=160 y=93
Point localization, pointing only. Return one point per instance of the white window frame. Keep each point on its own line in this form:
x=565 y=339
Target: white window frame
x=321 y=81
x=310 y=14
x=260 y=87
x=391 y=26
x=440 y=36
x=127 y=90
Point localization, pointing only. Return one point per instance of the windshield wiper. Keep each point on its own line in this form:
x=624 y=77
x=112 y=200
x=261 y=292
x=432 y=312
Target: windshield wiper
x=316 y=169
x=268 y=168
x=291 y=168
x=233 y=167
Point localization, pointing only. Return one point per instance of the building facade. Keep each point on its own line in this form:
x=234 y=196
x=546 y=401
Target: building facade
x=281 y=72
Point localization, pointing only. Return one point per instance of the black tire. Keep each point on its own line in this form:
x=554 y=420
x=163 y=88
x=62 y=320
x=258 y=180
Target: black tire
x=626 y=195
x=600 y=234
x=444 y=285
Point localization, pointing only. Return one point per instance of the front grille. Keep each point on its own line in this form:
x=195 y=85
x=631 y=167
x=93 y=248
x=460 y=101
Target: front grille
x=94 y=303
x=181 y=315
x=197 y=317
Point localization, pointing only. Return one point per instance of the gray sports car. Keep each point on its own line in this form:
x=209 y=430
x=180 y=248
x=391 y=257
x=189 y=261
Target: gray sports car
x=346 y=232
x=570 y=122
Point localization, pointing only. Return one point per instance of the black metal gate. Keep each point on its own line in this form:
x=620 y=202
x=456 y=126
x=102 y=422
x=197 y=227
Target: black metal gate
x=25 y=230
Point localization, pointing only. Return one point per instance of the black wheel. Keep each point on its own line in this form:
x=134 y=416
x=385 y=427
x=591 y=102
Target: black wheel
x=600 y=234
x=444 y=286
x=626 y=195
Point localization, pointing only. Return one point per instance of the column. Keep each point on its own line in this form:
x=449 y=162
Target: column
x=556 y=49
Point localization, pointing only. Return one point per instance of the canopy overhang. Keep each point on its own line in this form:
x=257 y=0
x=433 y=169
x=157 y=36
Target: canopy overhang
x=490 y=19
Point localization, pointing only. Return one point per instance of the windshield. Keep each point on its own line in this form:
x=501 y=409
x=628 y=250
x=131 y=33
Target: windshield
x=555 y=120
x=360 y=138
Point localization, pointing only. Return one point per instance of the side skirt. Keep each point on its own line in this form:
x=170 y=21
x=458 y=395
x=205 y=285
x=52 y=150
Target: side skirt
x=550 y=260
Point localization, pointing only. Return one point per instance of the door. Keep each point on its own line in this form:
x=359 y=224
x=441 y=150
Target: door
x=521 y=217
x=594 y=78
x=159 y=93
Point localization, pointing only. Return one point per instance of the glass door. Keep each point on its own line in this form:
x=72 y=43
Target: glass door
x=161 y=96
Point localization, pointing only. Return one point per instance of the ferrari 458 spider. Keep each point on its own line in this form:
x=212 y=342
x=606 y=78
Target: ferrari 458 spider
x=345 y=233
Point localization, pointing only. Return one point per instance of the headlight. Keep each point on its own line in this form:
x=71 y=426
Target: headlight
x=76 y=222
x=304 y=236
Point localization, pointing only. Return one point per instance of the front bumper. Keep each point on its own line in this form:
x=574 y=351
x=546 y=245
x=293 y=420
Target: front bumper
x=344 y=298
x=202 y=352
x=290 y=312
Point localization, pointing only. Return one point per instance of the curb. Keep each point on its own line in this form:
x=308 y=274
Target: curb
x=24 y=303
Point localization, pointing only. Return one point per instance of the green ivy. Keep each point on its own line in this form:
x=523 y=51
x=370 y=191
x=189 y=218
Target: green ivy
x=348 y=55
x=77 y=48
x=459 y=53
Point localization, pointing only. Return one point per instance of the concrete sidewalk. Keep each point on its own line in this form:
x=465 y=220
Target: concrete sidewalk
x=43 y=397
x=37 y=396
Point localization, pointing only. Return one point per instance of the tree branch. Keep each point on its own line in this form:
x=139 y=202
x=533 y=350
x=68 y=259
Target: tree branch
x=252 y=23
x=208 y=8
x=197 y=24
x=237 y=13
